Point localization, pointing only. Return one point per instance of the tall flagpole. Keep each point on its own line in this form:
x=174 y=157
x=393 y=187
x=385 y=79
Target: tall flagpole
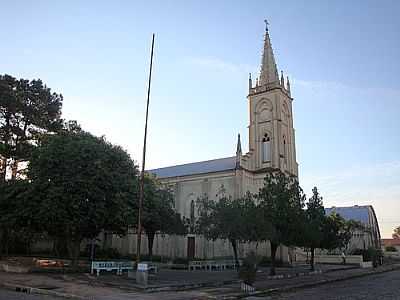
x=141 y=188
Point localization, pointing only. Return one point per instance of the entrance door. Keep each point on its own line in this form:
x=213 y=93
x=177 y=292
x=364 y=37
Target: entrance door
x=190 y=247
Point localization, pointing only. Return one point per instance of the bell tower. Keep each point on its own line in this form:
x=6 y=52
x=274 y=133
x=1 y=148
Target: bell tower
x=271 y=132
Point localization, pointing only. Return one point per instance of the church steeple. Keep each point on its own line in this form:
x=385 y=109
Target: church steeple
x=268 y=72
x=271 y=132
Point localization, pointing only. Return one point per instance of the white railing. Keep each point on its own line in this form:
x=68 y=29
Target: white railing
x=212 y=265
x=118 y=266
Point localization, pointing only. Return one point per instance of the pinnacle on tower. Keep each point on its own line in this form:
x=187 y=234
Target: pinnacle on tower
x=250 y=82
x=238 y=152
x=282 y=79
x=268 y=72
x=288 y=85
x=239 y=146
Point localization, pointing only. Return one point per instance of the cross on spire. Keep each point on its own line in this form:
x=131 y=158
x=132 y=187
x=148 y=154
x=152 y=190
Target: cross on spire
x=266 y=24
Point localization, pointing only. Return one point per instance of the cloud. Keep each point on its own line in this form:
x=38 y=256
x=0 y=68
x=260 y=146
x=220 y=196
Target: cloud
x=220 y=65
x=332 y=87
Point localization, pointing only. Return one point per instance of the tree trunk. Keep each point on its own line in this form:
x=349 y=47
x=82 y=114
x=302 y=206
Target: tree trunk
x=234 y=247
x=274 y=247
x=150 y=241
x=312 y=258
x=14 y=169
x=74 y=247
x=1 y=243
x=2 y=169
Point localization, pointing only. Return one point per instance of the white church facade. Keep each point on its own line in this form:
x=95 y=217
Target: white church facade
x=271 y=146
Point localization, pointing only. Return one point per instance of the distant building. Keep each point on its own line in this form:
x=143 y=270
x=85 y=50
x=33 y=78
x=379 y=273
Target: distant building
x=362 y=239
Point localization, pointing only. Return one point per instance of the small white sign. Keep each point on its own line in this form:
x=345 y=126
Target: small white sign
x=143 y=267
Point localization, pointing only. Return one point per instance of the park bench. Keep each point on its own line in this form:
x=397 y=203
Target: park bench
x=109 y=266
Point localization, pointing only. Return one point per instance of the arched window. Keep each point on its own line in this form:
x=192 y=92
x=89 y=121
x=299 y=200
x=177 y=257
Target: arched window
x=192 y=219
x=266 y=148
x=192 y=211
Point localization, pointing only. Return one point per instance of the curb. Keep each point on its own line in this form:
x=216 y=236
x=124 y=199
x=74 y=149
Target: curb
x=299 y=274
x=306 y=285
x=39 y=291
x=184 y=287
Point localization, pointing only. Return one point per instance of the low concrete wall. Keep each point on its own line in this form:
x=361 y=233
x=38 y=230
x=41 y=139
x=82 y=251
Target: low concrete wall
x=176 y=246
x=329 y=259
x=366 y=264
x=337 y=259
x=391 y=254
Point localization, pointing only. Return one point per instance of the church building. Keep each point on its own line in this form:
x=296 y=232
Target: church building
x=271 y=146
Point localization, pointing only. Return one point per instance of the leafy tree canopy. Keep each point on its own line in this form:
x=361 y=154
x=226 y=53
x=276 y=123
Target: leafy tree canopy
x=314 y=224
x=226 y=218
x=16 y=214
x=159 y=214
x=82 y=184
x=27 y=110
x=396 y=233
x=281 y=201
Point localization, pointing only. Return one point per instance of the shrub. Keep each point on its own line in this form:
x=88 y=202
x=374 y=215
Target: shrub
x=265 y=261
x=390 y=249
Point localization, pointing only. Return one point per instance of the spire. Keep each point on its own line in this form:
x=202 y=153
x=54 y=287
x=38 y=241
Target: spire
x=282 y=79
x=239 y=146
x=288 y=85
x=250 y=82
x=238 y=152
x=268 y=73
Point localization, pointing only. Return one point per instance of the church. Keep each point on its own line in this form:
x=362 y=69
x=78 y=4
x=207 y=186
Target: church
x=271 y=146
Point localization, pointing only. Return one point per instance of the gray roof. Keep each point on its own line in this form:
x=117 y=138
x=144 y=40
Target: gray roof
x=357 y=213
x=208 y=166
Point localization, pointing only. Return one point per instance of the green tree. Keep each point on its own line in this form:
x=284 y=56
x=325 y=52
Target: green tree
x=158 y=212
x=338 y=231
x=333 y=229
x=396 y=233
x=223 y=219
x=281 y=201
x=27 y=110
x=81 y=185
x=314 y=224
x=16 y=226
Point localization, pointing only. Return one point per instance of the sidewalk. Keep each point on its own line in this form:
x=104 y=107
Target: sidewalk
x=84 y=286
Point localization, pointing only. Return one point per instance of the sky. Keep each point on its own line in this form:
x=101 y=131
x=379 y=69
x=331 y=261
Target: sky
x=342 y=58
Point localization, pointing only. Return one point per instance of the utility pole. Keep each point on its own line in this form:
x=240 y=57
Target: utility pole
x=141 y=186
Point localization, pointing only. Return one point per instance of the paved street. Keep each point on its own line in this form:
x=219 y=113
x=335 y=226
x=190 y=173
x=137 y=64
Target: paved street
x=377 y=286
x=380 y=286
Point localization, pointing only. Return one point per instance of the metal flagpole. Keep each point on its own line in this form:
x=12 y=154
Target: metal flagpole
x=141 y=187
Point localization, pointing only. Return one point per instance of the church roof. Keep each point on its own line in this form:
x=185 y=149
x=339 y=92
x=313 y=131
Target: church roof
x=357 y=213
x=208 y=166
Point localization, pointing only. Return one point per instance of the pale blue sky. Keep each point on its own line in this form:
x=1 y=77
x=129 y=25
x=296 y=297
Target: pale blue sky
x=342 y=58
